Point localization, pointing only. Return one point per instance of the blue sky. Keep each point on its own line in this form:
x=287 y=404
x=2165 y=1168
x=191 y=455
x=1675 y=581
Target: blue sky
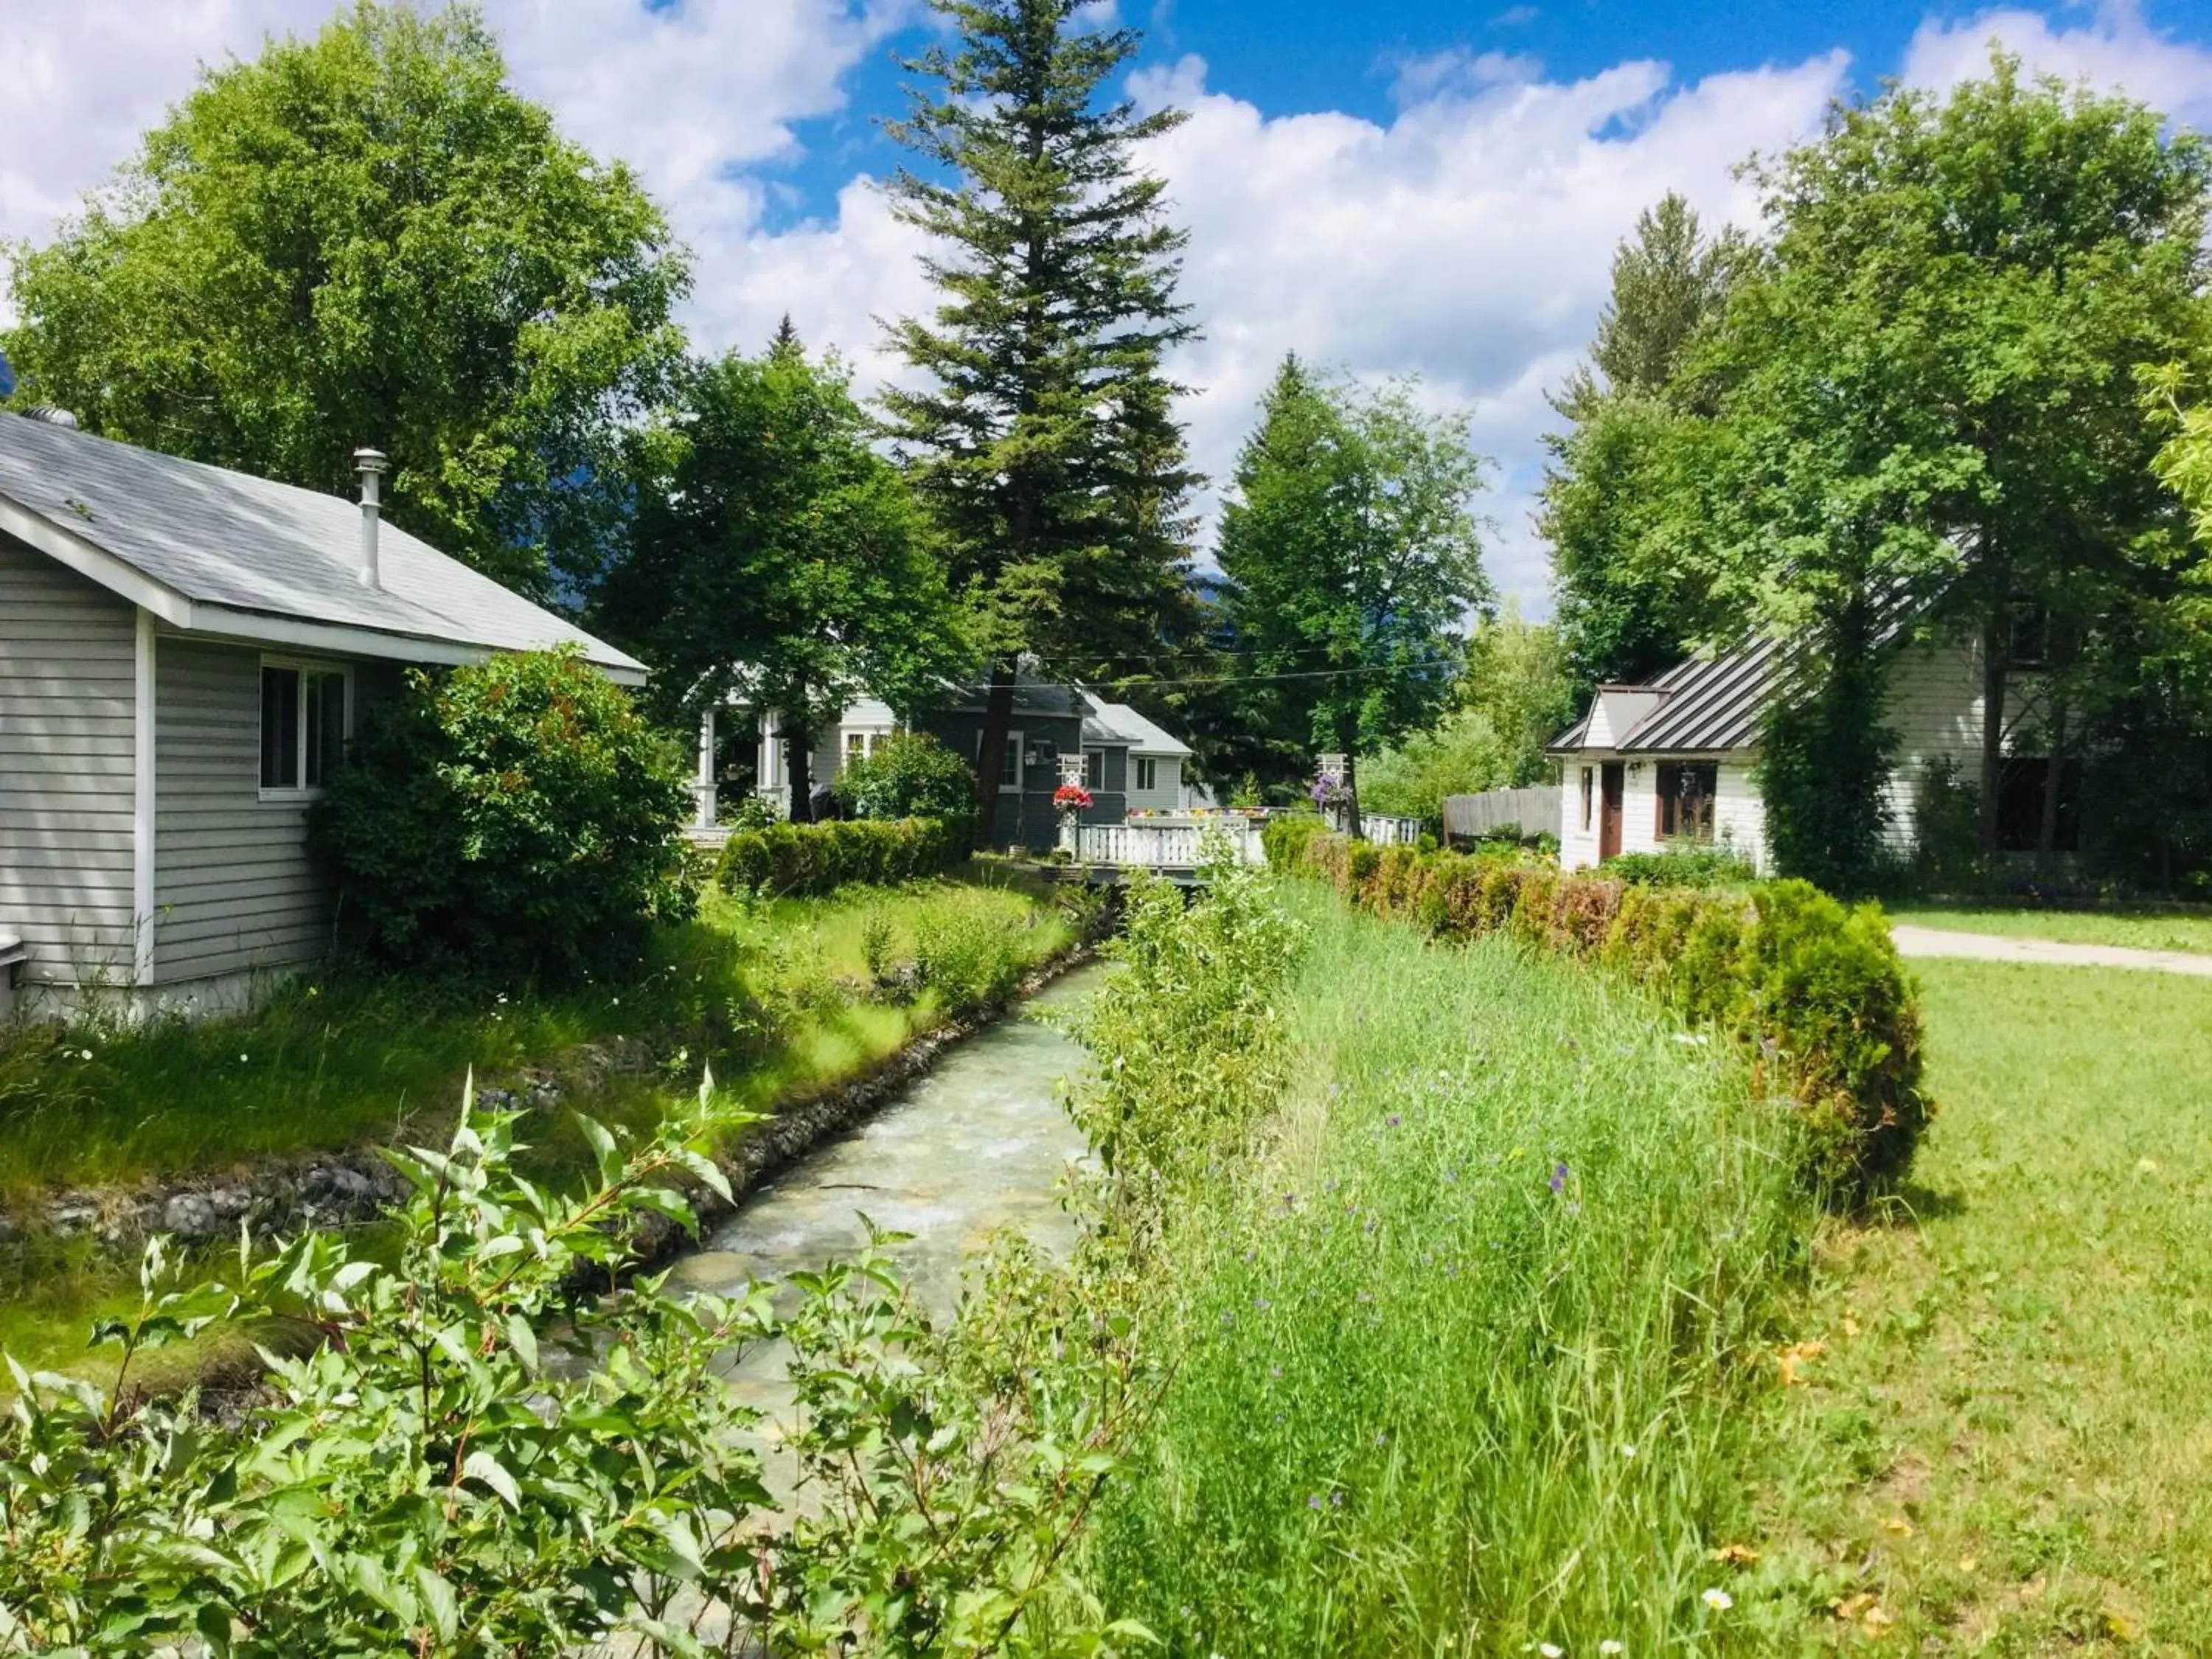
x=1294 y=56
x=1424 y=189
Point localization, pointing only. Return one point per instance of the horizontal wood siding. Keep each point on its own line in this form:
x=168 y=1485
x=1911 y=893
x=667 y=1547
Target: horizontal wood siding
x=67 y=708
x=1166 y=793
x=234 y=889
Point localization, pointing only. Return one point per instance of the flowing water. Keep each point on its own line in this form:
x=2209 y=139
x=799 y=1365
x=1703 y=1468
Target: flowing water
x=979 y=1144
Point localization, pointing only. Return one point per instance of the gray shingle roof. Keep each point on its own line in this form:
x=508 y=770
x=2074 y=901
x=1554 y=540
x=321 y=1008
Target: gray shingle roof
x=1121 y=724
x=226 y=539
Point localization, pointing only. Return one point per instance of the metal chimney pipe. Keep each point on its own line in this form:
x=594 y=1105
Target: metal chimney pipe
x=371 y=465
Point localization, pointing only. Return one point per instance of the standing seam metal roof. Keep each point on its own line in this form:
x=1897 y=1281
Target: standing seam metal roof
x=1707 y=706
x=228 y=538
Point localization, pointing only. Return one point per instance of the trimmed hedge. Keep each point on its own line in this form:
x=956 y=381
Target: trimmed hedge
x=1809 y=988
x=794 y=859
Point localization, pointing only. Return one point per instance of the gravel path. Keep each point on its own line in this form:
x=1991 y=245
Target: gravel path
x=1997 y=947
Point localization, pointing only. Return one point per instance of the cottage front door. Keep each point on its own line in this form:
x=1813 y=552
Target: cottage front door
x=1613 y=780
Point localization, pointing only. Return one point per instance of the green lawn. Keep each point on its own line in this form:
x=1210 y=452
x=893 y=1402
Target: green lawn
x=2179 y=930
x=2005 y=1445
x=774 y=997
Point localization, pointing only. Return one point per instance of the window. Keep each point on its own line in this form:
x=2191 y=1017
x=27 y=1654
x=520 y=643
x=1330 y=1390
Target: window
x=2020 y=804
x=303 y=725
x=856 y=747
x=1589 y=775
x=1009 y=769
x=1094 y=769
x=1148 y=773
x=1686 y=799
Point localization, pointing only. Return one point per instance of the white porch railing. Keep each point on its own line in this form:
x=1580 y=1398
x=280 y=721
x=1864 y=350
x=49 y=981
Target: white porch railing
x=1165 y=846
x=1389 y=830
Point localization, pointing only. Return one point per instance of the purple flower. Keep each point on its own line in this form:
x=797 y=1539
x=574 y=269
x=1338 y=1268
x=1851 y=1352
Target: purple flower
x=1394 y=1120
x=1313 y=1501
x=1336 y=1500
x=1559 y=1177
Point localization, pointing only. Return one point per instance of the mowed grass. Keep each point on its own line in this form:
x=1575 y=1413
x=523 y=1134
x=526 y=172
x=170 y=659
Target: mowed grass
x=2006 y=1446
x=2149 y=930
x=1465 y=1359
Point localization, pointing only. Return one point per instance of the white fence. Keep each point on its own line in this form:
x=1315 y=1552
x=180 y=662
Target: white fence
x=1534 y=810
x=1389 y=830
x=1165 y=846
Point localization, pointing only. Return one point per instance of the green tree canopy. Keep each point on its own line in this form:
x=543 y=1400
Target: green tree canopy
x=778 y=559
x=1608 y=493
x=1041 y=432
x=369 y=238
x=1352 y=561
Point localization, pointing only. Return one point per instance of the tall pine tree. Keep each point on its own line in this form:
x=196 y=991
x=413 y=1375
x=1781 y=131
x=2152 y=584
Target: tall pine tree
x=1042 y=436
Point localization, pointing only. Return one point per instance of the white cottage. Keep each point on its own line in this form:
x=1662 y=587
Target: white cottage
x=183 y=652
x=1672 y=760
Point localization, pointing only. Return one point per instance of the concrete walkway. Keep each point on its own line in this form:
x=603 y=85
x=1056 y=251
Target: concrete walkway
x=2001 y=947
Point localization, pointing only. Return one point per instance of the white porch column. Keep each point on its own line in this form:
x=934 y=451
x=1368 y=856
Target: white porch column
x=704 y=790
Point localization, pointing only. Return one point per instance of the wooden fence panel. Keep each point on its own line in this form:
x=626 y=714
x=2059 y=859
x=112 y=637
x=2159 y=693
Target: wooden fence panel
x=1534 y=809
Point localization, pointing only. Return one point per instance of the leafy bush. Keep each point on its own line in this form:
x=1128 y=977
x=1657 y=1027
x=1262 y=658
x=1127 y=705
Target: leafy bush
x=1809 y=988
x=964 y=953
x=517 y=815
x=1683 y=866
x=1947 y=830
x=910 y=775
x=426 y=1477
x=789 y=861
x=1283 y=839
x=1191 y=1020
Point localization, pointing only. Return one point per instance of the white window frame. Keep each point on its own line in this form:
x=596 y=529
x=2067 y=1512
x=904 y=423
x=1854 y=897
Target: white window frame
x=1147 y=781
x=1019 y=750
x=1589 y=789
x=1094 y=770
x=303 y=666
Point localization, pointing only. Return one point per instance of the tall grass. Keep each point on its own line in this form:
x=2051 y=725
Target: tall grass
x=1460 y=1353
x=775 y=996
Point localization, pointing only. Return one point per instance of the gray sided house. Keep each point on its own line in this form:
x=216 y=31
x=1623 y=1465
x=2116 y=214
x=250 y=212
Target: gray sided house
x=184 y=653
x=1129 y=764
x=1672 y=760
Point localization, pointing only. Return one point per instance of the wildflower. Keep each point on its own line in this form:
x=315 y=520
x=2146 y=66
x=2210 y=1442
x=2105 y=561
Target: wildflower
x=1276 y=1373
x=1628 y=1451
x=1336 y=1500
x=241 y=1060
x=1313 y=1501
x=1550 y=1650
x=1383 y=1438
x=1394 y=1120
x=1610 y=1646
x=1717 y=1599
x=1559 y=1177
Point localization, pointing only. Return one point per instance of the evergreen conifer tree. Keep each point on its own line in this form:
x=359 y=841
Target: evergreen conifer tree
x=1042 y=435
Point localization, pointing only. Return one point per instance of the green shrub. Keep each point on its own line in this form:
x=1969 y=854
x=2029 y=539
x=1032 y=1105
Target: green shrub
x=790 y=860
x=910 y=775
x=474 y=1456
x=1283 y=839
x=1683 y=866
x=516 y=816
x=1813 y=992
x=964 y=953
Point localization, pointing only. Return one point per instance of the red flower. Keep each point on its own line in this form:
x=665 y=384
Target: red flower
x=1071 y=795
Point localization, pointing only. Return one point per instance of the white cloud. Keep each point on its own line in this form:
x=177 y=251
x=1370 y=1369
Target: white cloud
x=1466 y=239
x=692 y=94
x=2114 y=48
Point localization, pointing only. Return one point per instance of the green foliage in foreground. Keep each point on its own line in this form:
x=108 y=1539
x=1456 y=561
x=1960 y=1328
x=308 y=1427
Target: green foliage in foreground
x=474 y=1457
x=1798 y=982
x=1462 y=1345
x=795 y=860
x=515 y=815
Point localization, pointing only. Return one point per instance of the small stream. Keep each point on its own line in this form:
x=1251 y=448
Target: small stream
x=979 y=1144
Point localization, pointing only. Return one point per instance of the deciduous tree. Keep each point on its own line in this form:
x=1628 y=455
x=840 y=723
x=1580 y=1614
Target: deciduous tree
x=778 y=560
x=369 y=238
